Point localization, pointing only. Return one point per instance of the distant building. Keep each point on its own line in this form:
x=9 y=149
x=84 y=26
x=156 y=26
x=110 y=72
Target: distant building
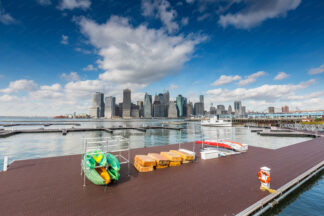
x=285 y=109
x=127 y=103
x=94 y=112
x=243 y=111
x=229 y=110
x=147 y=106
x=97 y=109
x=140 y=105
x=221 y=109
x=271 y=110
x=212 y=110
x=110 y=106
x=189 y=109
x=134 y=111
x=180 y=102
x=184 y=106
x=201 y=100
x=172 y=110
x=199 y=109
x=238 y=107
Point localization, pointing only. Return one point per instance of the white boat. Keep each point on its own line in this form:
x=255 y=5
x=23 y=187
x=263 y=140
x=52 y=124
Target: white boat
x=215 y=122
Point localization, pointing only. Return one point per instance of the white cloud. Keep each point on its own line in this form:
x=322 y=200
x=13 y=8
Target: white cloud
x=251 y=78
x=223 y=79
x=281 y=76
x=72 y=4
x=185 y=21
x=44 y=2
x=6 y=18
x=161 y=9
x=7 y=98
x=73 y=76
x=48 y=92
x=258 y=11
x=20 y=85
x=137 y=54
x=65 y=40
x=90 y=67
x=314 y=71
x=264 y=92
x=173 y=87
x=190 y=1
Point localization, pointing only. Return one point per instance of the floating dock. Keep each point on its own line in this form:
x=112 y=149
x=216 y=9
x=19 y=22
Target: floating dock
x=7 y=133
x=288 y=134
x=222 y=186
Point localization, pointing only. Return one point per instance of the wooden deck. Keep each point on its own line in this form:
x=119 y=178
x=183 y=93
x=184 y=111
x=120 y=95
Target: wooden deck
x=222 y=186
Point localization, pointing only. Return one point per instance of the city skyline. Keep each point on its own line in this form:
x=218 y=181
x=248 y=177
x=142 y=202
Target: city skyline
x=55 y=54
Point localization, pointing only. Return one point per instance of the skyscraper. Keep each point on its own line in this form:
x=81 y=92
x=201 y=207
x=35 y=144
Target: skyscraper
x=172 y=110
x=147 y=106
x=199 y=109
x=98 y=106
x=180 y=102
x=201 y=100
x=110 y=106
x=127 y=103
x=229 y=110
x=238 y=107
x=189 y=109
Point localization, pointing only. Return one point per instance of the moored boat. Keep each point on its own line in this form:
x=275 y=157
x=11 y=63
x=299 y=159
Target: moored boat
x=215 y=122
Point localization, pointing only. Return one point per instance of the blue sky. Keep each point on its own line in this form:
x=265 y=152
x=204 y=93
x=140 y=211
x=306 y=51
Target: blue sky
x=55 y=53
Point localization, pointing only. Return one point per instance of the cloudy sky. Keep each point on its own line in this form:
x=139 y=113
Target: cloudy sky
x=55 y=53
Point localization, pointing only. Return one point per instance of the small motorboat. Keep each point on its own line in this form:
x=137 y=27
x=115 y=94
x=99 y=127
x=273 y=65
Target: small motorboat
x=215 y=122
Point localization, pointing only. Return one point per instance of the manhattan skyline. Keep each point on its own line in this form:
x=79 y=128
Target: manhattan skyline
x=56 y=54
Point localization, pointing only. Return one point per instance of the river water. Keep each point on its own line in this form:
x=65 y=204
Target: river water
x=26 y=146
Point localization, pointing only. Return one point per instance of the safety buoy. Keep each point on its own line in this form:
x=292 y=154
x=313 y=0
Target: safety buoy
x=267 y=180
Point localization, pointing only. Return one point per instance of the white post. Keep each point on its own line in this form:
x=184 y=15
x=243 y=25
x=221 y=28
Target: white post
x=5 y=163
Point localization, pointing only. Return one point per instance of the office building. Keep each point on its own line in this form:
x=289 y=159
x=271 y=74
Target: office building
x=199 y=109
x=271 y=110
x=243 y=111
x=201 y=100
x=110 y=106
x=212 y=110
x=285 y=109
x=127 y=103
x=229 y=110
x=172 y=110
x=237 y=107
x=147 y=106
x=189 y=109
x=180 y=103
x=140 y=105
x=97 y=109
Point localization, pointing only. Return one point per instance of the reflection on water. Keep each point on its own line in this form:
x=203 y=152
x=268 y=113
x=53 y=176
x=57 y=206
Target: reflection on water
x=25 y=146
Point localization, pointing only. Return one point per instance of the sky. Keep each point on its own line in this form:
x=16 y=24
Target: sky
x=54 y=54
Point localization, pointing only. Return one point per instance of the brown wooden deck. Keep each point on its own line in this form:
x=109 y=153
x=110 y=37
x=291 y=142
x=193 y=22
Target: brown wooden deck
x=223 y=186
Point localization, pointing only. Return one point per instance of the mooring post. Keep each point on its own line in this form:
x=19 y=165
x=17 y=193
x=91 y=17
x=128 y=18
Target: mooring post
x=5 y=163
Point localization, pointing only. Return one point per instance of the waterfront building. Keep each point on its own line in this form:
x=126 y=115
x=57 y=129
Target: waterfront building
x=238 y=107
x=180 y=102
x=199 y=109
x=201 y=100
x=243 y=110
x=172 y=110
x=140 y=105
x=189 y=109
x=126 y=103
x=184 y=106
x=157 y=109
x=285 y=109
x=147 y=106
x=221 y=109
x=229 y=110
x=110 y=106
x=97 y=103
x=212 y=110
x=271 y=110
x=134 y=111
x=94 y=112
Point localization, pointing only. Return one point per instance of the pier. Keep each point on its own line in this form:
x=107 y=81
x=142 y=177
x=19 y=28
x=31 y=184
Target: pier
x=288 y=134
x=7 y=133
x=222 y=186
